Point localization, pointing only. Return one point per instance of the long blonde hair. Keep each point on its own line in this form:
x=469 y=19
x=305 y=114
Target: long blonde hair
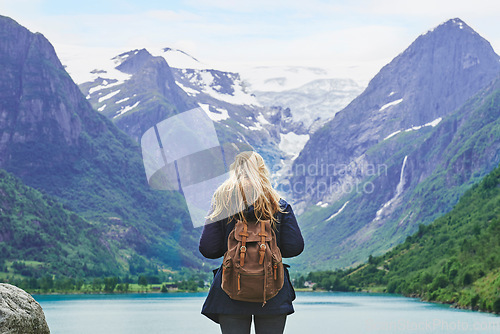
x=248 y=184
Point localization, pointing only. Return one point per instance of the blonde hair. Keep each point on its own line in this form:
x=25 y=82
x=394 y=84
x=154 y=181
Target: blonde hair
x=248 y=184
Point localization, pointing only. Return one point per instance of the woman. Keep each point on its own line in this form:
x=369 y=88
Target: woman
x=248 y=195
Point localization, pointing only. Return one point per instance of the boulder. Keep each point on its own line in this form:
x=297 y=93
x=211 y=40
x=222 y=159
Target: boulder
x=20 y=313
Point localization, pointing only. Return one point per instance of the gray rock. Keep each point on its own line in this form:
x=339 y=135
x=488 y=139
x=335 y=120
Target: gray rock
x=20 y=313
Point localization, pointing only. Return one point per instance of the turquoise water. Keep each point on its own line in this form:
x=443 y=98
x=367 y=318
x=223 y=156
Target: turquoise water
x=327 y=312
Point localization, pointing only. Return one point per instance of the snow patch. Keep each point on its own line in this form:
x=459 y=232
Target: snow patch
x=414 y=128
x=239 y=97
x=390 y=104
x=321 y=204
x=118 y=60
x=122 y=100
x=456 y=22
x=189 y=91
x=206 y=77
x=434 y=122
x=105 y=84
x=205 y=80
x=108 y=96
x=314 y=103
x=179 y=59
x=214 y=116
x=262 y=119
x=338 y=212
x=392 y=134
x=292 y=143
x=125 y=109
x=459 y=23
x=86 y=64
x=243 y=125
x=102 y=108
x=104 y=69
x=257 y=127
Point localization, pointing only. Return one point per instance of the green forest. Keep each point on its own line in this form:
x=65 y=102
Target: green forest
x=45 y=247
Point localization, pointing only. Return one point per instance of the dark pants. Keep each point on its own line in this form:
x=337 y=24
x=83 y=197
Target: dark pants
x=240 y=324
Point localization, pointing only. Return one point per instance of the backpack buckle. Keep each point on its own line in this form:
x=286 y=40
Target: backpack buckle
x=243 y=249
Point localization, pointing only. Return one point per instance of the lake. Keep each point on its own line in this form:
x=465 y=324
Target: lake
x=315 y=312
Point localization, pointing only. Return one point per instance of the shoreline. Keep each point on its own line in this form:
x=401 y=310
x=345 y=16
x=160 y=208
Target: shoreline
x=110 y=293
x=414 y=296
x=451 y=305
x=155 y=289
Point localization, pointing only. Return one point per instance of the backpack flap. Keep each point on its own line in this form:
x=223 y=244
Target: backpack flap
x=253 y=231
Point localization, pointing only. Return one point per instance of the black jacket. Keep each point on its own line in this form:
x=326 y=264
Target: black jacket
x=213 y=244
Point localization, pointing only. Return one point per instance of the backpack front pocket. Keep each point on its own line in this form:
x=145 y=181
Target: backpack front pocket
x=228 y=276
x=249 y=286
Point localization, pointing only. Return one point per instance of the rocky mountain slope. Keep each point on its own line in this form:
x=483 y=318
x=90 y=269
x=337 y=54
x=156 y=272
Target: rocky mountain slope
x=55 y=142
x=277 y=124
x=153 y=91
x=403 y=151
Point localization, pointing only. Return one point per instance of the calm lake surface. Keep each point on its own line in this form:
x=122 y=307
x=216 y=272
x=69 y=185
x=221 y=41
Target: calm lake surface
x=326 y=312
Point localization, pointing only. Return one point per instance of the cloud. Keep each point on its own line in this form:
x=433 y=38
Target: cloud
x=358 y=33
x=170 y=15
x=280 y=7
x=433 y=9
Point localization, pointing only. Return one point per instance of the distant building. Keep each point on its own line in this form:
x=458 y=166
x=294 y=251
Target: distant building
x=309 y=284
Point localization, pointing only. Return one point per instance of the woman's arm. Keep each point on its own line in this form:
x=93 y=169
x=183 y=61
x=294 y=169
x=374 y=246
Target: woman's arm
x=212 y=243
x=291 y=241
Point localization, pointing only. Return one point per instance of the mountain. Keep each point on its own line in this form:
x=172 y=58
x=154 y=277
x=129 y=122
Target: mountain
x=55 y=142
x=314 y=95
x=402 y=152
x=277 y=124
x=136 y=92
x=454 y=260
x=140 y=90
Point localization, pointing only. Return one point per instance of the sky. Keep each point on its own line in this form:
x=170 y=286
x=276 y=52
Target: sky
x=352 y=38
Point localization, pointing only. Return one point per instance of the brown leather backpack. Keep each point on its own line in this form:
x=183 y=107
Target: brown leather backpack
x=252 y=269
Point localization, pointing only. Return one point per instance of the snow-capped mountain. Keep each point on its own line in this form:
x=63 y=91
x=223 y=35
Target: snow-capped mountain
x=139 y=88
x=430 y=79
x=136 y=92
x=402 y=152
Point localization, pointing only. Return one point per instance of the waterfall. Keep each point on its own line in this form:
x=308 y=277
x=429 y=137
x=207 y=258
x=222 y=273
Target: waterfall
x=399 y=190
x=401 y=184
